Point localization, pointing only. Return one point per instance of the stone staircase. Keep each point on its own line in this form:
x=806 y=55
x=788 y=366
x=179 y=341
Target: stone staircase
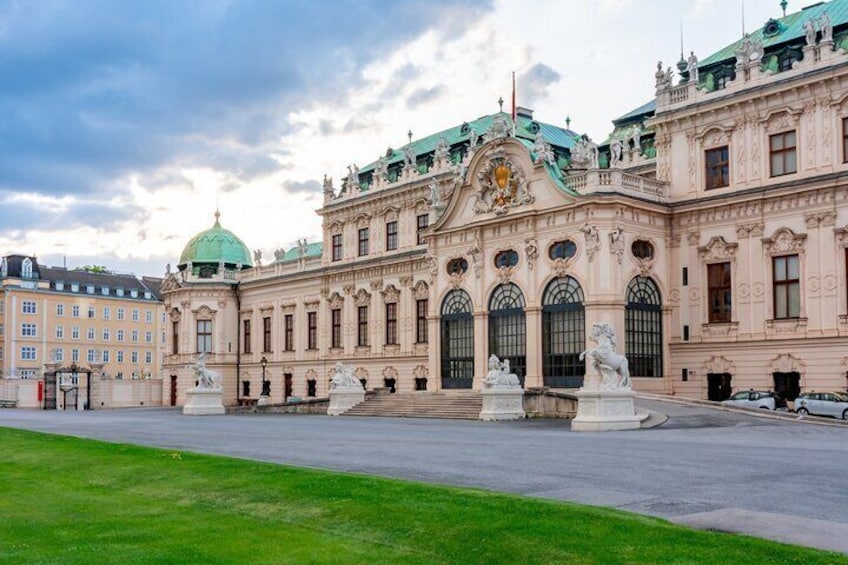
x=453 y=405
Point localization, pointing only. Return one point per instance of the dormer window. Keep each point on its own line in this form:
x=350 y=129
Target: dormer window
x=60 y=285
x=134 y=293
x=74 y=287
x=721 y=82
x=104 y=290
x=147 y=295
x=26 y=268
x=119 y=291
x=89 y=288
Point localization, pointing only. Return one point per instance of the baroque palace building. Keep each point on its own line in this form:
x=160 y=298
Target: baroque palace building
x=710 y=229
x=78 y=339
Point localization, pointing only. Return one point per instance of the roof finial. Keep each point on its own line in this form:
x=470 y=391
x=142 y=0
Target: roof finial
x=568 y=122
x=500 y=103
x=409 y=135
x=681 y=40
x=783 y=4
x=743 y=18
x=217 y=215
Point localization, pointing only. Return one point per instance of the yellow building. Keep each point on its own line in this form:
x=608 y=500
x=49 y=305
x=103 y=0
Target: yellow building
x=72 y=323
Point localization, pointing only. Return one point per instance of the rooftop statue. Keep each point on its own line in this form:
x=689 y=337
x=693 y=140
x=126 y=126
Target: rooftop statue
x=257 y=257
x=611 y=367
x=279 y=254
x=206 y=378
x=616 y=149
x=810 y=31
x=585 y=154
x=544 y=152
x=751 y=51
x=409 y=157
x=381 y=169
x=826 y=27
x=692 y=67
x=302 y=248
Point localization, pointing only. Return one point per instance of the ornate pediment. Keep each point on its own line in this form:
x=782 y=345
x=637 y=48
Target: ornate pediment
x=390 y=294
x=362 y=298
x=335 y=300
x=718 y=249
x=784 y=240
x=170 y=283
x=500 y=185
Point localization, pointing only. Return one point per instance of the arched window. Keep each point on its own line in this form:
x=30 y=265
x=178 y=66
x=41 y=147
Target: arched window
x=457 y=335
x=508 y=328
x=643 y=328
x=563 y=334
x=26 y=268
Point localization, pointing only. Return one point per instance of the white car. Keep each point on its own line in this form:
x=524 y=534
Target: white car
x=764 y=399
x=823 y=404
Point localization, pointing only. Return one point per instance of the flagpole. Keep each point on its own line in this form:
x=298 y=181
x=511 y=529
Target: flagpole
x=513 y=96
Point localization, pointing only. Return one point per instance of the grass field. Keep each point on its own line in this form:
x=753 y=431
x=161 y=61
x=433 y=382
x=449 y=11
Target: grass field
x=66 y=500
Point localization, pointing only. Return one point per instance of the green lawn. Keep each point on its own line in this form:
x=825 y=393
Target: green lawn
x=66 y=500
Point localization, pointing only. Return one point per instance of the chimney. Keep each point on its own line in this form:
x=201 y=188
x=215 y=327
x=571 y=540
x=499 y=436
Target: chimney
x=523 y=112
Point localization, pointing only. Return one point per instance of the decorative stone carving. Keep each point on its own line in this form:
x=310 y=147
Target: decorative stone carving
x=346 y=391
x=381 y=170
x=786 y=363
x=584 y=155
x=542 y=151
x=500 y=185
x=616 y=243
x=437 y=205
x=692 y=67
x=593 y=240
x=616 y=149
x=362 y=298
x=501 y=128
x=718 y=364
x=336 y=301
x=784 y=240
x=476 y=254
x=502 y=393
x=421 y=291
x=432 y=265
x=611 y=367
x=717 y=249
x=205 y=398
x=749 y=52
x=390 y=294
x=531 y=251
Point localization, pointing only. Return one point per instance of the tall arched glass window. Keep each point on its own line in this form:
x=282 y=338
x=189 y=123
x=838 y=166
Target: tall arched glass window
x=563 y=334
x=26 y=268
x=457 y=339
x=643 y=328
x=508 y=328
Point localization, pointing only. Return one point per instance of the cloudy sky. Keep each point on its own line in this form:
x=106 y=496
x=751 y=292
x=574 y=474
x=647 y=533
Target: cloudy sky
x=124 y=124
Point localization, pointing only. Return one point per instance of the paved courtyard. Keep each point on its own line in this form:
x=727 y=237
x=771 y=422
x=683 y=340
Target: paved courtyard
x=704 y=467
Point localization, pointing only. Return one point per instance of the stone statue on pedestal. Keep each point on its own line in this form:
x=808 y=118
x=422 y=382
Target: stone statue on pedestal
x=206 y=378
x=610 y=365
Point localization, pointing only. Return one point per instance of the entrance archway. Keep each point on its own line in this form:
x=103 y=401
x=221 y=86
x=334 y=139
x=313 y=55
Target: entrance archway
x=457 y=340
x=508 y=328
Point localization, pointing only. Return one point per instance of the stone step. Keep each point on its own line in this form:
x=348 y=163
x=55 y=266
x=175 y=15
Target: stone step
x=463 y=405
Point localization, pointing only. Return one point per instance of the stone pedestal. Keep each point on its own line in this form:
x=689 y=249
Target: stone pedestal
x=605 y=410
x=343 y=399
x=502 y=403
x=204 y=402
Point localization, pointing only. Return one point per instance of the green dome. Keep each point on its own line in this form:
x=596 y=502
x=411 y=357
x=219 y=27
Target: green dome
x=214 y=246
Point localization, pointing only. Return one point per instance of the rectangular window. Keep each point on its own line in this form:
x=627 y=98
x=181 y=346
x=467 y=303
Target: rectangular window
x=148 y=337
x=787 y=287
x=134 y=336
x=148 y=357
x=60 y=310
x=134 y=357
x=336 y=327
x=75 y=332
x=27 y=353
x=28 y=307
x=421 y=307
x=246 y=334
x=91 y=355
x=337 y=247
x=266 y=334
x=845 y=140
x=782 y=150
x=204 y=336
x=717 y=167
x=289 y=331
x=148 y=316
x=120 y=356
x=391 y=324
x=106 y=313
x=91 y=312
x=121 y=314
x=135 y=316
x=423 y=223
x=75 y=311
x=312 y=330
x=104 y=356
x=175 y=337
x=28 y=330
x=119 y=335
x=721 y=82
x=391 y=236
x=363 y=242
x=75 y=356
x=720 y=292
x=362 y=326
x=106 y=336
x=90 y=334
x=58 y=354
x=60 y=332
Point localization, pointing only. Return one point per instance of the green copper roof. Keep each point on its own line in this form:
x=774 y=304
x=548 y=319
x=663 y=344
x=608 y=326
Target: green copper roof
x=525 y=129
x=791 y=28
x=312 y=250
x=214 y=246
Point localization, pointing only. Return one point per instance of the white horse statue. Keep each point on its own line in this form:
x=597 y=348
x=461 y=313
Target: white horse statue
x=206 y=378
x=611 y=366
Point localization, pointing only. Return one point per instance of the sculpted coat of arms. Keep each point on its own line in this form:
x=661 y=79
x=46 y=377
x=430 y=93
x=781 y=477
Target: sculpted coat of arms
x=500 y=186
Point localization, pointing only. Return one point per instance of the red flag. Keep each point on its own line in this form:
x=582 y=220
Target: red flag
x=513 y=96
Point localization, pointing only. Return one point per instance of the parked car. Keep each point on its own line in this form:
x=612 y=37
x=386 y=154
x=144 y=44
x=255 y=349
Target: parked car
x=763 y=399
x=823 y=404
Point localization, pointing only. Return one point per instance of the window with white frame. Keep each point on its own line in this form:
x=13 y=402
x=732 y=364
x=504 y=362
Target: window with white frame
x=59 y=354
x=148 y=337
x=148 y=316
x=104 y=356
x=91 y=355
x=121 y=314
x=28 y=330
x=91 y=312
x=106 y=313
x=75 y=332
x=119 y=335
x=74 y=355
x=27 y=353
x=28 y=307
x=148 y=357
x=60 y=332
x=120 y=356
x=60 y=310
x=134 y=357
x=90 y=334
x=134 y=336
x=26 y=268
x=75 y=311
x=106 y=334
x=28 y=373
x=135 y=315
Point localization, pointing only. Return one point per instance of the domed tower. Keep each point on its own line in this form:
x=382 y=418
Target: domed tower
x=202 y=303
x=213 y=252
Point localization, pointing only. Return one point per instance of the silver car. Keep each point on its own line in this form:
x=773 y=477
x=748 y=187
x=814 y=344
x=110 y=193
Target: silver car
x=823 y=404
x=752 y=399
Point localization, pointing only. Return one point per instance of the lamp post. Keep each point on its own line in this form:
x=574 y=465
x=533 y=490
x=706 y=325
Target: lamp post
x=264 y=398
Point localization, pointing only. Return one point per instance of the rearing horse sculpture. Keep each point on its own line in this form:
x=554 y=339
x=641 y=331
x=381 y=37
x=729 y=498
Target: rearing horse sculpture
x=611 y=366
